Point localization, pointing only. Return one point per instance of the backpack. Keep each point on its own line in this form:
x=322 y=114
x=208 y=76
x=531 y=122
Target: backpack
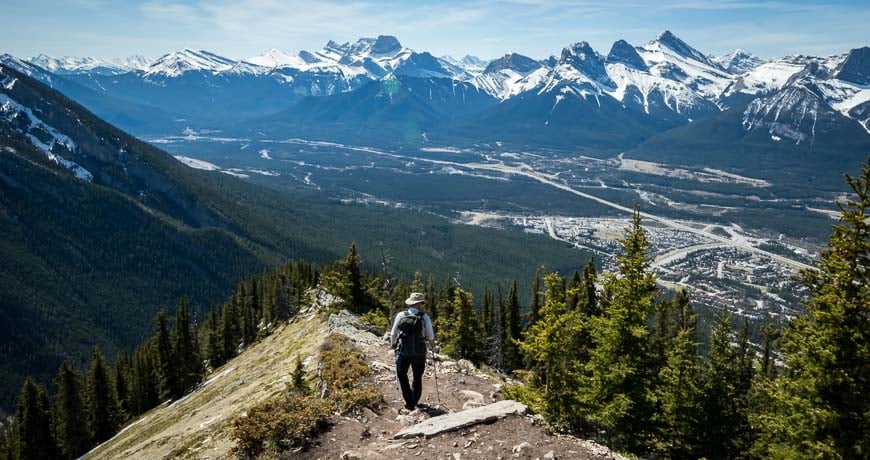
x=412 y=342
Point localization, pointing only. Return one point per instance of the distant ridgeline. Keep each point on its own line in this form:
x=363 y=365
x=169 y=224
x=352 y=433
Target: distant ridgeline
x=597 y=354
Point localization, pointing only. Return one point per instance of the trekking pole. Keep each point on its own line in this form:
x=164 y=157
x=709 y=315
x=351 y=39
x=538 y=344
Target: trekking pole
x=435 y=368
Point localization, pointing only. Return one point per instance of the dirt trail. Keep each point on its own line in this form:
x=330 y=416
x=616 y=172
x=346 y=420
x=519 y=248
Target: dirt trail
x=368 y=434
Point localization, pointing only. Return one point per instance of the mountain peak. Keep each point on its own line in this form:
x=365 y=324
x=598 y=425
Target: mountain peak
x=677 y=45
x=583 y=58
x=738 y=61
x=624 y=53
x=187 y=60
x=856 y=67
x=513 y=61
x=386 y=44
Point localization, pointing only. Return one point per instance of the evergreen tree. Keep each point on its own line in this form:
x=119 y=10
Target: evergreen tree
x=572 y=294
x=513 y=330
x=621 y=371
x=463 y=340
x=298 y=377
x=548 y=348
x=69 y=411
x=213 y=342
x=588 y=297
x=122 y=388
x=820 y=407
x=103 y=411
x=230 y=331
x=678 y=392
x=185 y=353
x=33 y=423
x=282 y=308
x=535 y=303
x=7 y=438
x=486 y=316
x=167 y=369
x=726 y=396
x=768 y=365
x=496 y=345
x=357 y=298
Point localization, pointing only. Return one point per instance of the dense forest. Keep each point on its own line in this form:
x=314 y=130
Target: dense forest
x=605 y=355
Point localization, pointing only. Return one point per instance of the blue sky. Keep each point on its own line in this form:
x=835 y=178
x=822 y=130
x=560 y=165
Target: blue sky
x=486 y=28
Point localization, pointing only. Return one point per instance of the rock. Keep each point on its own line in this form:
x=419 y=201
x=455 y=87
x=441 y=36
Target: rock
x=550 y=455
x=457 y=456
x=465 y=366
x=351 y=455
x=473 y=396
x=520 y=448
x=462 y=419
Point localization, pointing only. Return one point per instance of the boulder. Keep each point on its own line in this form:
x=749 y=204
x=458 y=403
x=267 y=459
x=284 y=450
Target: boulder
x=465 y=418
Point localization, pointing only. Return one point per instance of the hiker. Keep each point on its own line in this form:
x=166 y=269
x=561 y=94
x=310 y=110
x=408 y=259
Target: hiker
x=411 y=330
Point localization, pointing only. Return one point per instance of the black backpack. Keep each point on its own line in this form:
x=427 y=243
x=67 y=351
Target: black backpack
x=412 y=342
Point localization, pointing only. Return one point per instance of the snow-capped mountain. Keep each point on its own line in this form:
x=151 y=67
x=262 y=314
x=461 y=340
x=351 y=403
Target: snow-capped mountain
x=501 y=76
x=472 y=65
x=276 y=58
x=87 y=65
x=737 y=61
x=669 y=57
x=187 y=60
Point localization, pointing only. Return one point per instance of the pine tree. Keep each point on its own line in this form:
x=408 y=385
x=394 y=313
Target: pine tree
x=496 y=343
x=297 y=378
x=122 y=388
x=103 y=411
x=588 y=297
x=535 y=303
x=725 y=401
x=513 y=331
x=486 y=313
x=185 y=353
x=678 y=392
x=213 y=342
x=820 y=407
x=33 y=423
x=357 y=299
x=167 y=369
x=7 y=438
x=72 y=434
x=572 y=294
x=463 y=340
x=230 y=331
x=548 y=347
x=621 y=370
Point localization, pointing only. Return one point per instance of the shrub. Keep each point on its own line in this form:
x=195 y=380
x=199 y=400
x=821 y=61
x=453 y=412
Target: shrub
x=347 y=400
x=342 y=365
x=279 y=423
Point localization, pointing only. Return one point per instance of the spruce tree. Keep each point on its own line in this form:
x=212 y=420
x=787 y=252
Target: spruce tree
x=69 y=411
x=535 y=303
x=103 y=411
x=7 y=438
x=463 y=340
x=185 y=352
x=726 y=396
x=588 y=297
x=621 y=371
x=297 y=378
x=167 y=368
x=122 y=384
x=820 y=406
x=513 y=331
x=357 y=299
x=572 y=294
x=33 y=423
x=548 y=347
x=678 y=392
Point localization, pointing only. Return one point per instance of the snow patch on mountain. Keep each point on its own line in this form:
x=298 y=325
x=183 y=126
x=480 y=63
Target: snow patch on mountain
x=765 y=78
x=677 y=97
x=791 y=113
x=44 y=137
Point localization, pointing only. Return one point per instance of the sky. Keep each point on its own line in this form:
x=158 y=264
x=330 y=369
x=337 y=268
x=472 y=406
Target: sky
x=484 y=28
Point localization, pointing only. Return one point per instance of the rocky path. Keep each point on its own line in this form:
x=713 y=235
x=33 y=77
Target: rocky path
x=468 y=418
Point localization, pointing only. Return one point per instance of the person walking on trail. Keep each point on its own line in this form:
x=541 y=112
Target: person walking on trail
x=412 y=329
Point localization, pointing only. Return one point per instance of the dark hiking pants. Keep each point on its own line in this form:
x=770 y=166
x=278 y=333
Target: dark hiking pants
x=410 y=393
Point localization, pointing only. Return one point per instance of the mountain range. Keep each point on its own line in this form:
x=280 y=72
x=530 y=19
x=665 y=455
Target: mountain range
x=634 y=98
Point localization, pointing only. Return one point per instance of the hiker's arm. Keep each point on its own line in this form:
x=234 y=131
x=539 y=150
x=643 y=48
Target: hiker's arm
x=428 y=331
x=395 y=331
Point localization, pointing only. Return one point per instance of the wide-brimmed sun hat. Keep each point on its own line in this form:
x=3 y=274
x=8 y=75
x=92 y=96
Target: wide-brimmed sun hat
x=415 y=298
